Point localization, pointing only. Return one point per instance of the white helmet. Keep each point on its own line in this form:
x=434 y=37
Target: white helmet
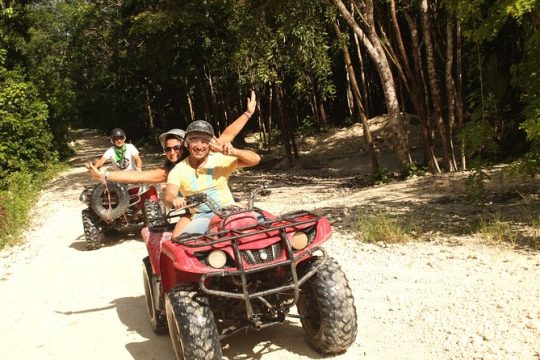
x=173 y=133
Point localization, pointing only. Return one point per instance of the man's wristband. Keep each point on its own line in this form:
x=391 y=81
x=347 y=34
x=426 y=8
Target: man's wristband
x=247 y=114
x=106 y=175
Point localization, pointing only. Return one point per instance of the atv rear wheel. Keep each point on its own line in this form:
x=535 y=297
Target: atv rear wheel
x=191 y=322
x=326 y=308
x=92 y=232
x=158 y=321
x=152 y=214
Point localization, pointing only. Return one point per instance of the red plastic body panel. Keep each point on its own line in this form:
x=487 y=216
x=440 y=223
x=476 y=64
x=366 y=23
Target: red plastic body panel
x=151 y=194
x=177 y=263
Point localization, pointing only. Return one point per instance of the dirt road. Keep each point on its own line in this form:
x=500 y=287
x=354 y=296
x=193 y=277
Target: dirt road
x=444 y=299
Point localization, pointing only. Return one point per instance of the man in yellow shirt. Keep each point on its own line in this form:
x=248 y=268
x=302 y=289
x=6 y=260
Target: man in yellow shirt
x=204 y=171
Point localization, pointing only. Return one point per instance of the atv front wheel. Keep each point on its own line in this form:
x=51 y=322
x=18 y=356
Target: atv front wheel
x=152 y=214
x=92 y=232
x=158 y=321
x=191 y=322
x=326 y=308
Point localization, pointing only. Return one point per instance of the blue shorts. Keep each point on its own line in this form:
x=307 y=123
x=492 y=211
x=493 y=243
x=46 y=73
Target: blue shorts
x=199 y=223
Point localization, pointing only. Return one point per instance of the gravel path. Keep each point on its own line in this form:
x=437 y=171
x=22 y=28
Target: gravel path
x=446 y=299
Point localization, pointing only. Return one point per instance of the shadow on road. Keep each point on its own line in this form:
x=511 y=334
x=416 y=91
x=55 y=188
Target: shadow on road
x=112 y=239
x=287 y=337
x=132 y=313
x=242 y=346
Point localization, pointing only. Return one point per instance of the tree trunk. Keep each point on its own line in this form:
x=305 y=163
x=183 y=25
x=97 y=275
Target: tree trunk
x=417 y=60
x=435 y=92
x=322 y=114
x=159 y=105
x=350 y=98
x=450 y=84
x=316 y=104
x=378 y=56
x=427 y=131
x=191 y=112
x=263 y=130
x=415 y=92
x=215 y=118
x=283 y=120
x=150 y=123
x=358 y=99
x=207 y=111
x=270 y=115
x=459 y=96
x=363 y=82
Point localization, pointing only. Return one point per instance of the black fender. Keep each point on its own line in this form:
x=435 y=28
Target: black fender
x=117 y=191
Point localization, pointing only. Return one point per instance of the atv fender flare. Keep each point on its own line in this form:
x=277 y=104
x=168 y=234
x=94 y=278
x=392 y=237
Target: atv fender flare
x=103 y=211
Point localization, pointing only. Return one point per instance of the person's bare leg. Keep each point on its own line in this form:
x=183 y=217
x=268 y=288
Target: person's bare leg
x=181 y=225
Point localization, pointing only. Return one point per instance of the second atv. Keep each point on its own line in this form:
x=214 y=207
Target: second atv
x=112 y=206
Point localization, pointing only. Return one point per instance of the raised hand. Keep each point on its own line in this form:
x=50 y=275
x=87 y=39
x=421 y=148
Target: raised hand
x=251 y=103
x=224 y=148
x=94 y=171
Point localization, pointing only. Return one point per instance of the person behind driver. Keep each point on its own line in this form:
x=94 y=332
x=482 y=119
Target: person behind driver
x=122 y=156
x=204 y=171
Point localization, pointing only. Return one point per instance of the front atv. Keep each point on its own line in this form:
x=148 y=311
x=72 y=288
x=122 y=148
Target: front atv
x=247 y=271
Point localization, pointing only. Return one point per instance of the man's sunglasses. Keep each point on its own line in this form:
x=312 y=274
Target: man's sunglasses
x=118 y=138
x=166 y=149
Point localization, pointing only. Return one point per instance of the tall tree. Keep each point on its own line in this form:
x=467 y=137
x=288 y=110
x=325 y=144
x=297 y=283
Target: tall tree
x=435 y=89
x=358 y=100
x=374 y=47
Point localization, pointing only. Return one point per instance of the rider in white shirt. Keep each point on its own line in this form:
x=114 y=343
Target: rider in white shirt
x=122 y=156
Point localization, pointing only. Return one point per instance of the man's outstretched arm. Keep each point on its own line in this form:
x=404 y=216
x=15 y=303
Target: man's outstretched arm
x=234 y=129
x=154 y=176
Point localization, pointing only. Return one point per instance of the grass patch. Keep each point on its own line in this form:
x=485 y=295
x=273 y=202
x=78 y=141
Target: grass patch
x=18 y=194
x=382 y=227
x=496 y=230
x=524 y=233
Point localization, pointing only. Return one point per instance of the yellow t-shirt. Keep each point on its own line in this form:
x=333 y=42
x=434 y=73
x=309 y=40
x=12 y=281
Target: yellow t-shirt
x=211 y=179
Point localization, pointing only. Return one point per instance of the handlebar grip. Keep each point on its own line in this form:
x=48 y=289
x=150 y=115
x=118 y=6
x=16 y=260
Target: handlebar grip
x=195 y=199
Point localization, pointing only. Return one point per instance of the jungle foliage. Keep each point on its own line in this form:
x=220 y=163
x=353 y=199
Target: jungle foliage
x=468 y=70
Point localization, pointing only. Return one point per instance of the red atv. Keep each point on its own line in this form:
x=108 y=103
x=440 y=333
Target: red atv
x=112 y=206
x=247 y=271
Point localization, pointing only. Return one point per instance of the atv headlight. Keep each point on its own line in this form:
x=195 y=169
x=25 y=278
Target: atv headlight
x=217 y=259
x=299 y=240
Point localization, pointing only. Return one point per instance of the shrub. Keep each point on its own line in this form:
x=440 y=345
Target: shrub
x=20 y=191
x=27 y=143
x=475 y=186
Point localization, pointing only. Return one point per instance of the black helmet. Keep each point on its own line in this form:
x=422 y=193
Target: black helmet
x=118 y=133
x=173 y=133
x=199 y=126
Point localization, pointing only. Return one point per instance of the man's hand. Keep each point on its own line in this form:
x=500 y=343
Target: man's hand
x=224 y=148
x=251 y=103
x=94 y=172
x=178 y=202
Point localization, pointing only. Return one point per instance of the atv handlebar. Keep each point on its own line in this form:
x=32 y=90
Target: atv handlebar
x=202 y=198
x=193 y=201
